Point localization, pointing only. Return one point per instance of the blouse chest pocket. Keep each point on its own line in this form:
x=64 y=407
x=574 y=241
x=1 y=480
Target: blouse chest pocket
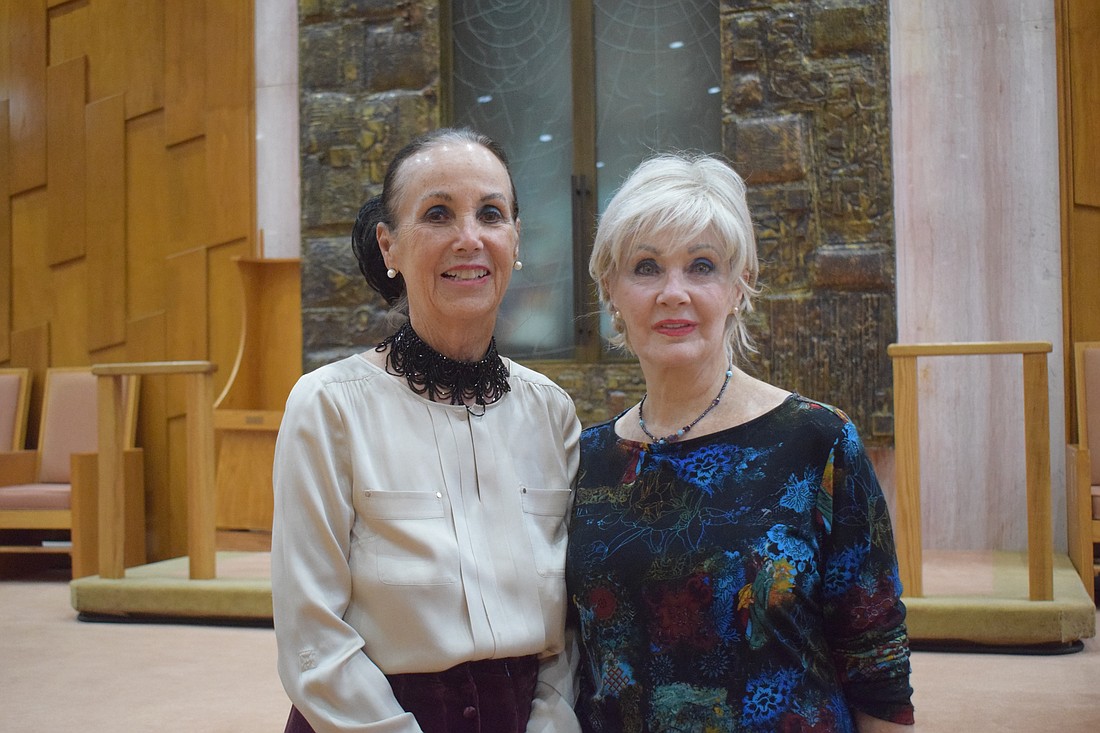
x=544 y=513
x=409 y=537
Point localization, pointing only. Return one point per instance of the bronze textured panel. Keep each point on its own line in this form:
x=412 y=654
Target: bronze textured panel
x=105 y=125
x=27 y=52
x=769 y=149
x=147 y=227
x=65 y=160
x=5 y=237
x=807 y=89
x=184 y=69
x=1084 y=63
x=144 y=33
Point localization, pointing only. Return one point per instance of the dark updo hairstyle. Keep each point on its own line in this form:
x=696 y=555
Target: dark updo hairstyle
x=380 y=209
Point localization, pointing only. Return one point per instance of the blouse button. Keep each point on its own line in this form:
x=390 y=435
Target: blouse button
x=470 y=713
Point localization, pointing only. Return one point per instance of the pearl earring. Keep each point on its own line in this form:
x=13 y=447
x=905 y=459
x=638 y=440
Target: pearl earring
x=391 y=273
x=517 y=265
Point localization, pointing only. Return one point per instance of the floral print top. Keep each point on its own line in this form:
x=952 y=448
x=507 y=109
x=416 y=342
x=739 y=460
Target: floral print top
x=740 y=581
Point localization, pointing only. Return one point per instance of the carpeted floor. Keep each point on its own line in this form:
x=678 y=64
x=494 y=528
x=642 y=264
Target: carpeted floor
x=61 y=674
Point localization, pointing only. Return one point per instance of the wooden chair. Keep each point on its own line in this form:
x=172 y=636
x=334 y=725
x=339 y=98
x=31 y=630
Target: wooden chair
x=15 y=394
x=55 y=486
x=1083 y=465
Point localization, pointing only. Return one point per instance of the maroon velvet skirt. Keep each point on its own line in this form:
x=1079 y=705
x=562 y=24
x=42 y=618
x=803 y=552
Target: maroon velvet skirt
x=487 y=696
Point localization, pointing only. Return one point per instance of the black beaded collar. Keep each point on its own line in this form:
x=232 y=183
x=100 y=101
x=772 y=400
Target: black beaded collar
x=441 y=378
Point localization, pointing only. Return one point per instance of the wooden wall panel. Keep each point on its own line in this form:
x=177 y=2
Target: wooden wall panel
x=65 y=100
x=229 y=148
x=5 y=236
x=1078 y=26
x=187 y=164
x=105 y=131
x=5 y=57
x=30 y=347
x=27 y=53
x=31 y=286
x=1084 y=40
x=185 y=69
x=147 y=195
x=146 y=342
x=188 y=337
x=173 y=525
x=68 y=32
x=69 y=319
x=130 y=190
x=229 y=78
x=108 y=75
x=144 y=30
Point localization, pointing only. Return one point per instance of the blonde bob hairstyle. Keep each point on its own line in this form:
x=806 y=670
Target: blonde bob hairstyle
x=677 y=198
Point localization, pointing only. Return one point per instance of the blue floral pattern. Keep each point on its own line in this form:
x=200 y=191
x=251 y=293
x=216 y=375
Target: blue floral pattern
x=739 y=581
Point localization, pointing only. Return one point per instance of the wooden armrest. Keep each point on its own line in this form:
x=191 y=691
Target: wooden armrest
x=18 y=467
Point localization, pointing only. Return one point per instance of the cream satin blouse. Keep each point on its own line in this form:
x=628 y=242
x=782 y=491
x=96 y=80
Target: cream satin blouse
x=410 y=536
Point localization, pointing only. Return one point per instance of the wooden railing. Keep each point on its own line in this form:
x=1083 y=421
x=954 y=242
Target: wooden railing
x=1040 y=539
x=200 y=462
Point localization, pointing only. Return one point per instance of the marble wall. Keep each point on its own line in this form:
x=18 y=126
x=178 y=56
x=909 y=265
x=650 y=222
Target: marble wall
x=978 y=250
x=278 y=202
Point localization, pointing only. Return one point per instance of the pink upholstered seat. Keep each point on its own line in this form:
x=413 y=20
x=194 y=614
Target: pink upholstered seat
x=37 y=487
x=35 y=496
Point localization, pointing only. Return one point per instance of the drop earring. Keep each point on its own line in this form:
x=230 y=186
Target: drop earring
x=517 y=265
x=391 y=273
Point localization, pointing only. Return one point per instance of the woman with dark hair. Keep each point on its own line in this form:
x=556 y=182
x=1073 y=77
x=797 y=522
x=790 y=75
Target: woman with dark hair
x=422 y=488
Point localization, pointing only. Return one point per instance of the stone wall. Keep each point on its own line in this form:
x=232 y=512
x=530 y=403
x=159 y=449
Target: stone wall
x=806 y=120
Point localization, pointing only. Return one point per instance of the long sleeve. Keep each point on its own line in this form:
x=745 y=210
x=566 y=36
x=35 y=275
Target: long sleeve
x=552 y=710
x=864 y=613
x=321 y=661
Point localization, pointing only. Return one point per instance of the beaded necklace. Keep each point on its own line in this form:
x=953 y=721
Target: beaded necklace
x=671 y=437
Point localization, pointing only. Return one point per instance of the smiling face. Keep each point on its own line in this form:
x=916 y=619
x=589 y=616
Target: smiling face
x=674 y=298
x=454 y=242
